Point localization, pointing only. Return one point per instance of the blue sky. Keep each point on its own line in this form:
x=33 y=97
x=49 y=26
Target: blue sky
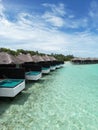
x=50 y=26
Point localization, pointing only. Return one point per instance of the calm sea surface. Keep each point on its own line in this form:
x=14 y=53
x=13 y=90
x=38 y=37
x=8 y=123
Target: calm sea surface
x=66 y=99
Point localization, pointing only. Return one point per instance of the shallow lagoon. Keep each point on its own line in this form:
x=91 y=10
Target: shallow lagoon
x=66 y=99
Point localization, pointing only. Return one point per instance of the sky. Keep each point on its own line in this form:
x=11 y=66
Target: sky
x=50 y=26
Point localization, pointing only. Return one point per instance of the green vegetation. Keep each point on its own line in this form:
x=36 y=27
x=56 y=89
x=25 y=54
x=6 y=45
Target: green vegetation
x=59 y=57
x=62 y=57
x=8 y=51
x=26 y=52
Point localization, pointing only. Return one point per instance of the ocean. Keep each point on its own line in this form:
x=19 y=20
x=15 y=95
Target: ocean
x=65 y=99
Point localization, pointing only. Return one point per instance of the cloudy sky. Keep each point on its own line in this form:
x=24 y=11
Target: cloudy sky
x=50 y=26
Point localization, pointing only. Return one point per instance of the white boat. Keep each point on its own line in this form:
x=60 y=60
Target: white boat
x=11 y=87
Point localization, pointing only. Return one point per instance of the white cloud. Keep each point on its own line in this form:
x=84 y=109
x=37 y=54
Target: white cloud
x=76 y=23
x=1 y=10
x=56 y=9
x=29 y=32
x=33 y=32
x=59 y=16
x=54 y=14
x=54 y=20
x=93 y=13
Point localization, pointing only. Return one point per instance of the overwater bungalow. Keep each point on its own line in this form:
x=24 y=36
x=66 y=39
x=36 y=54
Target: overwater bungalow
x=37 y=58
x=95 y=60
x=12 y=81
x=33 y=71
x=52 y=63
x=85 y=60
x=8 y=60
x=57 y=64
x=77 y=60
x=43 y=63
x=46 y=69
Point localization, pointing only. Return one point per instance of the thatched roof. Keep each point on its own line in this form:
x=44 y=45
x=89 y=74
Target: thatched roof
x=46 y=58
x=16 y=60
x=78 y=59
x=37 y=58
x=6 y=58
x=52 y=58
x=84 y=59
x=25 y=57
x=95 y=59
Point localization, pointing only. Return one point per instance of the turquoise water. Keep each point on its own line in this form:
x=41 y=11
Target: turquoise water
x=10 y=83
x=66 y=99
x=45 y=68
x=33 y=73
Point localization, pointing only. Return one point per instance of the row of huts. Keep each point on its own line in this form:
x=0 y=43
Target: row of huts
x=14 y=70
x=84 y=60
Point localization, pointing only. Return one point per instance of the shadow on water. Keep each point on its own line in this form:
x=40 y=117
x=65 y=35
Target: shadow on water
x=30 y=83
x=22 y=97
x=6 y=102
